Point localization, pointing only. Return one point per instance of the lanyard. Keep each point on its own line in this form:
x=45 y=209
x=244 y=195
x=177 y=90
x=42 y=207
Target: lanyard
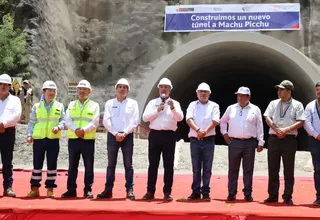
x=318 y=110
x=283 y=113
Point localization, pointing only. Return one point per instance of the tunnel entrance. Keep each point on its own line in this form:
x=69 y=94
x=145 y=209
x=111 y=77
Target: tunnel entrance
x=227 y=61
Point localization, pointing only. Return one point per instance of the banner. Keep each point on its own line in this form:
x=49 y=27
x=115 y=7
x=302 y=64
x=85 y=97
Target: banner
x=232 y=17
x=72 y=88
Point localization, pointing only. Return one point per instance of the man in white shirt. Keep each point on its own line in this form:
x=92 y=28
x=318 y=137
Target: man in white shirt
x=10 y=112
x=121 y=116
x=284 y=116
x=163 y=113
x=82 y=120
x=242 y=129
x=202 y=117
x=312 y=126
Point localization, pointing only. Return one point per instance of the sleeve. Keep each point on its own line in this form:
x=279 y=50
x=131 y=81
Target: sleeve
x=216 y=113
x=190 y=111
x=300 y=116
x=32 y=121
x=177 y=112
x=62 y=121
x=150 y=112
x=224 y=121
x=308 y=126
x=260 y=133
x=134 y=120
x=270 y=110
x=15 y=115
x=68 y=120
x=94 y=123
x=107 y=120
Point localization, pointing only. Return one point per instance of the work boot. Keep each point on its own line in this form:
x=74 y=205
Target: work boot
x=50 y=193
x=8 y=192
x=34 y=192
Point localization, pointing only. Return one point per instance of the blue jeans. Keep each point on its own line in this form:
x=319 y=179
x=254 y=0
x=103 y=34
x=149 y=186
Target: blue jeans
x=127 y=151
x=202 y=152
x=314 y=148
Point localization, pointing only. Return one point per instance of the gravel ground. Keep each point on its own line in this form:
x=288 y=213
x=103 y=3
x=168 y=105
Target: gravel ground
x=23 y=157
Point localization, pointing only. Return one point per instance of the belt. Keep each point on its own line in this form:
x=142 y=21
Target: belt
x=10 y=129
x=243 y=139
x=288 y=135
x=164 y=131
x=205 y=138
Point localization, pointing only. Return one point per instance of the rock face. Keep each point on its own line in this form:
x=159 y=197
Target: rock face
x=103 y=40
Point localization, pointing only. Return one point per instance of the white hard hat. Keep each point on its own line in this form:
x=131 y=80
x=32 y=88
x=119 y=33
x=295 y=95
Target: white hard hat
x=204 y=87
x=5 y=78
x=84 y=84
x=123 y=81
x=244 y=91
x=165 y=81
x=49 y=85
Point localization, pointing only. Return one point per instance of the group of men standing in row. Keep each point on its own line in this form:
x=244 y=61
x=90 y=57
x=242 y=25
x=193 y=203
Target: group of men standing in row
x=241 y=126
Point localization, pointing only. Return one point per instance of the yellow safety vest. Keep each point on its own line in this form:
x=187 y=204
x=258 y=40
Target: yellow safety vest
x=82 y=117
x=46 y=121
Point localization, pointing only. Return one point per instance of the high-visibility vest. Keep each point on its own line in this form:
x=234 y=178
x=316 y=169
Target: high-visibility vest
x=46 y=121
x=82 y=117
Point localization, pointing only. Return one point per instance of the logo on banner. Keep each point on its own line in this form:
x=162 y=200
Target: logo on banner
x=246 y=8
x=185 y=9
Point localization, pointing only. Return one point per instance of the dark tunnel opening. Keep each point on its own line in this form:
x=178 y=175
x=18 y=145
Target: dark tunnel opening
x=227 y=61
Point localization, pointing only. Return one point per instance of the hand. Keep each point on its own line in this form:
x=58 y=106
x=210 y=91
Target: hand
x=280 y=132
x=29 y=140
x=201 y=134
x=318 y=137
x=227 y=138
x=55 y=130
x=160 y=108
x=259 y=148
x=2 y=129
x=120 y=137
x=79 y=132
x=171 y=104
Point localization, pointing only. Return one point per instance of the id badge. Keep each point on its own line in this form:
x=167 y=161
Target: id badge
x=280 y=123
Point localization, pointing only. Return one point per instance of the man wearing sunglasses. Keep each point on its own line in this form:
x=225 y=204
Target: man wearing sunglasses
x=163 y=113
x=120 y=118
x=242 y=129
x=202 y=117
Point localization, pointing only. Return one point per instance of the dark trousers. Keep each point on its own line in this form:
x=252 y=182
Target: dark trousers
x=161 y=142
x=50 y=148
x=7 y=140
x=127 y=151
x=314 y=147
x=76 y=148
x=241 y=150
x=286 y=149
x=202 y=152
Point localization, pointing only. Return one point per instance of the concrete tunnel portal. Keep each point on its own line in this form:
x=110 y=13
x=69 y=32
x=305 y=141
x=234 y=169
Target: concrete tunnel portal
x=227 y=61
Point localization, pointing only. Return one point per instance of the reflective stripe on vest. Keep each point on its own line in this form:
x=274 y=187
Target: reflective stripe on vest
x=81 y=118
x=46 y=121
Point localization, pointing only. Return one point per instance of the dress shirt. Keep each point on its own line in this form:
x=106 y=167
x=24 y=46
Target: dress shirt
x=121 y=116
x=164 y=120
x=243 y=122
x=33 y=117
x=93 y=124
x=294 y=113
x=203 y=115
x=10 y=111
x=312 y=122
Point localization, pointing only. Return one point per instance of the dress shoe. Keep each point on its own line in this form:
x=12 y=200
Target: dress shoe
x=206 y=197
x=316 y=203
x=88 y=195
x=271 y=199
x=148 y=196
x=248 y=198
x=105 y=195
x=8 y=192
x=69 y=194
x=167 y=197
x=231 y=198
x=288 y=201
x=194 y=196
x=130 y=195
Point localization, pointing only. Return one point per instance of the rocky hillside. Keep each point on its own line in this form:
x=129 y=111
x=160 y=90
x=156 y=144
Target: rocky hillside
x=103 y=40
